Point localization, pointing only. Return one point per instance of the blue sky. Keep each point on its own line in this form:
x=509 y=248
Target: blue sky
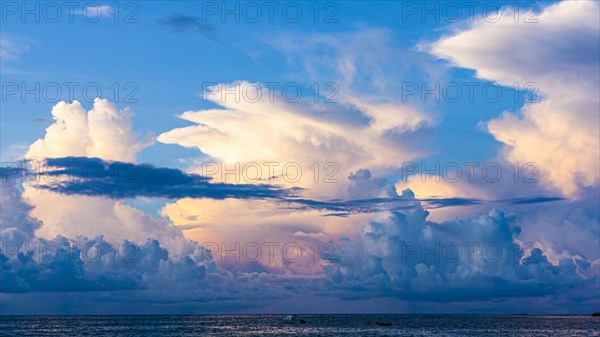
x=167 y=67
x=153 y=61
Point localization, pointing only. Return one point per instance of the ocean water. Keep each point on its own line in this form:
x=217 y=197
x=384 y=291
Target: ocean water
x=317 y=325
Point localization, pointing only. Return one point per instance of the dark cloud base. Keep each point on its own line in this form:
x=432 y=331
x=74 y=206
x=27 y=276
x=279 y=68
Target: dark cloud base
x=120 y=180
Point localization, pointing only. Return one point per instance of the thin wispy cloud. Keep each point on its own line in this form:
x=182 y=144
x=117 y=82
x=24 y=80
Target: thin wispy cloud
x=184 y=23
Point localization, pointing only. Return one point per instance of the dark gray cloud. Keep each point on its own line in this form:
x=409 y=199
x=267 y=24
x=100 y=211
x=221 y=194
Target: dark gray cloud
x=93 y=265
x=394 y=256
x=374 y=205
x=185 y=23
x=118 y=180
x=96 y=177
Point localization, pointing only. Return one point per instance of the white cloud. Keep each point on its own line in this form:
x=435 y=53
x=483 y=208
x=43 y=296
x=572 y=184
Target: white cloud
x=50 y=254
x=560 y=55
x=403 y=254
x=73 y=215
x=302 y=133
x=143 y=271
x=369 y=127
x=103 y=132
x=262 y=222
x=16 y=224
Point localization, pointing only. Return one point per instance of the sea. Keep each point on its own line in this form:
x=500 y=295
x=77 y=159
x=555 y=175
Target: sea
x=316 y=325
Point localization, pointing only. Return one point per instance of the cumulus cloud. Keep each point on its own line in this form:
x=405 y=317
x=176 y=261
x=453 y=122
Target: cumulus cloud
x=167 y=267
x=95 y=265
x=401 y=253
x=366 y=146
x=104 y=132
x=376 y=260
x=16 y=224
x=558 y=58
x=33 y=263
x=148 y=269
x=567 y=229
x=90 y=216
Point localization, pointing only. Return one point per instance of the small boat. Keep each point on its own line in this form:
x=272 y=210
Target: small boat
x=379 y=323
x=292 y=319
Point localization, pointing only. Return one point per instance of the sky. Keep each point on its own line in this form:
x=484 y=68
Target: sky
x=316 y=157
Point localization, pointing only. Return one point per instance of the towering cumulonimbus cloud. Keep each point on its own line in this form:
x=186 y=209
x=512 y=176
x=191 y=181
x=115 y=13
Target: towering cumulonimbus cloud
x=329 y=138
x=557 y=58
x=282 y=132
x=556 y=130
x=97 y=243
x=348 y=118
